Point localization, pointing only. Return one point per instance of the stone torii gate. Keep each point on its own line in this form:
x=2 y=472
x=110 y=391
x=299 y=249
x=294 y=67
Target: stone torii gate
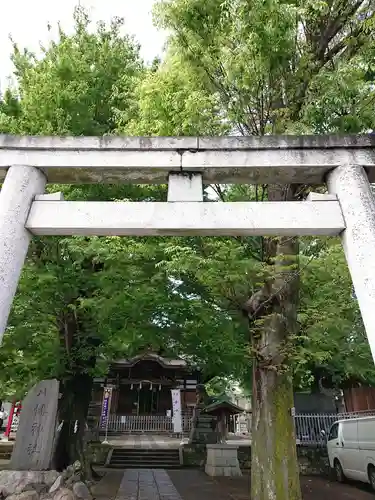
x=345 y=163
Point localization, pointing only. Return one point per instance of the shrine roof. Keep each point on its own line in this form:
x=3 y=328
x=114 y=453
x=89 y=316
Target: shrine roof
x=224 y=405
x=164 y=362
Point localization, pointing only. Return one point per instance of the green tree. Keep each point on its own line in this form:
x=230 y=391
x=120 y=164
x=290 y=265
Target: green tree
x=332 y=348
x=173 y=101
x=78 y=86
x=82 y=301
x=81 y=82
x=272 y=67
x=240 y=71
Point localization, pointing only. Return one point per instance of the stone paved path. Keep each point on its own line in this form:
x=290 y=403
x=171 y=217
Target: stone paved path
x=147 y=484
x=107 y=488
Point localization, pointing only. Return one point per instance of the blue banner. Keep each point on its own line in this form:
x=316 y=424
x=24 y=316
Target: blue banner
x=105 y=407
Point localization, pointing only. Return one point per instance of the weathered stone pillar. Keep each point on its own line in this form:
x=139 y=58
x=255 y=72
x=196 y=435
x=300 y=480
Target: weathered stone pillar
x=353 y=190
x=21 y=185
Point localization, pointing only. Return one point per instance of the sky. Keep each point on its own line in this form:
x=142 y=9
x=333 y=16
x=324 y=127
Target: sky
x=26 y=21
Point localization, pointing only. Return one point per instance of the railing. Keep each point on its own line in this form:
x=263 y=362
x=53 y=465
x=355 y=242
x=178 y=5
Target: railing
x=187 y=422
x=313 y=429
x=145 y=423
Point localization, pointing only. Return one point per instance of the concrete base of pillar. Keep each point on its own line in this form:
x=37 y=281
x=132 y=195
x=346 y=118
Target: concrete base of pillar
x=222 y=460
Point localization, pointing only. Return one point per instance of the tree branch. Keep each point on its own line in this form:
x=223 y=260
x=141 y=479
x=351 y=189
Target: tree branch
x=253 y=315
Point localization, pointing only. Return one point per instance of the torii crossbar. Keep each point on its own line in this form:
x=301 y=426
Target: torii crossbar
x=345 y=163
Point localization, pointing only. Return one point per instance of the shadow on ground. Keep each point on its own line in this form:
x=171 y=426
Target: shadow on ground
x=195 y=485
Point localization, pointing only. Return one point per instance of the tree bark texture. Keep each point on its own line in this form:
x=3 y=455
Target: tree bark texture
x=274 y=464
x=79 y=359
x=73 y=409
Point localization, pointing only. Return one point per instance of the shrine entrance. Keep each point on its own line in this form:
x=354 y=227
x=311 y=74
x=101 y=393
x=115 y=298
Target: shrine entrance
x=143 y=399
x=345 y=164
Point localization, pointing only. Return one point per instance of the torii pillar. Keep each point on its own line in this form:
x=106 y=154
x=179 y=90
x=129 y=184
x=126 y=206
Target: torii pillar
x=351 y=185
x=21 y=185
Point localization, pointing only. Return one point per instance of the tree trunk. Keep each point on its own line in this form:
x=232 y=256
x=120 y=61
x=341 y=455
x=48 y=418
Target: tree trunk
x=73 y=409
x=275 y=471
x=274 y=465
x=76 y=385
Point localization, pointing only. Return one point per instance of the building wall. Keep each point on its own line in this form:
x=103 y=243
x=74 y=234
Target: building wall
x=314 y=403
x=188 y=398
x=360 y=399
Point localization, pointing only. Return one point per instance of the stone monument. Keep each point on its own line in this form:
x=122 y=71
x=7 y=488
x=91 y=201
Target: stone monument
x=203 y=429
x=34 y=444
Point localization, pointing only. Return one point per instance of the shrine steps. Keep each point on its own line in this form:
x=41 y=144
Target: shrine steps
x=6 y=449
x=138 y=433
x=142 y=458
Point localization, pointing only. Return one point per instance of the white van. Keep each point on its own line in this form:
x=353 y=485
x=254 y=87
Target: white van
x=351 y=449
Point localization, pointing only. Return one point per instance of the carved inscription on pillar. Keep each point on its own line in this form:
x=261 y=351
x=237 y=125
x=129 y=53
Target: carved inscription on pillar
x=36 y=432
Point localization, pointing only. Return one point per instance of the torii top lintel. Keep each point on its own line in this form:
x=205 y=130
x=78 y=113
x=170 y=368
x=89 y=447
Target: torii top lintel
x=148 y=160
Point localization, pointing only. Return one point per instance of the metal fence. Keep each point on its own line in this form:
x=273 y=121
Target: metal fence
x=313 y=429
x=145 y=423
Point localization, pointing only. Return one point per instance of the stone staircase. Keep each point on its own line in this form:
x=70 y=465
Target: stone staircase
x=143 y=458
x=6 y=449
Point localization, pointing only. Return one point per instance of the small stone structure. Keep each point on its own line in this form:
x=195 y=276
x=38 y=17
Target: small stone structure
x=222 y=460
x=203 y=429
x=34 y=445
x=44 y=485
x=15 y=482
x=222 y=410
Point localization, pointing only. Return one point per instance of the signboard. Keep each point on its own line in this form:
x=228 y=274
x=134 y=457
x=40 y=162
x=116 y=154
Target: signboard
x=107 y=396
x=176 y=409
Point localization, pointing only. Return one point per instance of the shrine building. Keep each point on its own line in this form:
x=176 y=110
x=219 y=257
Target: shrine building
x=142 y=393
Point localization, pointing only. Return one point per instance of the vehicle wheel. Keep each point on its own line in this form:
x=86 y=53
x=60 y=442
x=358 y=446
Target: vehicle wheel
x=371 y=476
x=339 y=473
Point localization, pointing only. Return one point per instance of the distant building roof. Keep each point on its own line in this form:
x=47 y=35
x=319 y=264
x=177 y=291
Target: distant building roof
x=149 y=356
x=223 y=405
